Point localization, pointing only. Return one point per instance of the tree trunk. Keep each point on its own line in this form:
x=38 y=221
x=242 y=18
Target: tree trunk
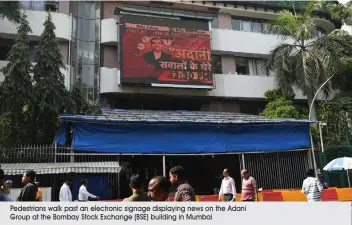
x=310 y=96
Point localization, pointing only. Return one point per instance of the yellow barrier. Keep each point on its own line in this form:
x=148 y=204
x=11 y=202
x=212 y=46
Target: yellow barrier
x=344 y=194
x=293 y=196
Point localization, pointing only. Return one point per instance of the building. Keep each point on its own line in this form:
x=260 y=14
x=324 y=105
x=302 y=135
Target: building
x=90 y=39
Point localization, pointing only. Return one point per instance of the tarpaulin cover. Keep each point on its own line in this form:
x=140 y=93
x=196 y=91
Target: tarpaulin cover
x=188 y=139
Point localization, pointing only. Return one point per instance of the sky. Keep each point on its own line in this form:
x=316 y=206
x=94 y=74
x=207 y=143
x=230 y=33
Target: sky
x=343 y=1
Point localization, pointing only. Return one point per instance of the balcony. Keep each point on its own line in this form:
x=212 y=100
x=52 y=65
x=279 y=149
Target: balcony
x=226 y=86
x=243 y=43
x=36 y=20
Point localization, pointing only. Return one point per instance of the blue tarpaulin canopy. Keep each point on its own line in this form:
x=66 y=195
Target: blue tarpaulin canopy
x=182 y=132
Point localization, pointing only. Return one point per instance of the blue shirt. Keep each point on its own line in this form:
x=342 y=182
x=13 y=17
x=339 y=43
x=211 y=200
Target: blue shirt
x=5 y=198
x=323 y=182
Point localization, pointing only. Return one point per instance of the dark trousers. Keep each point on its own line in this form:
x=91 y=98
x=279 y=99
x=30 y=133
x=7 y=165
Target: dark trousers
x=228 y=197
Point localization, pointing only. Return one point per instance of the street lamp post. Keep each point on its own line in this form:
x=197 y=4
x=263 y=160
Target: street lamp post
x=309 y=118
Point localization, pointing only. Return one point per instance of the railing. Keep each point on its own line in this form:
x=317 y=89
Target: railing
x=29 y=154
x=53 y=154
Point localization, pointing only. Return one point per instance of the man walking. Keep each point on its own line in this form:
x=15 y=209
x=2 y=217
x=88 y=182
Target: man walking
x=65 y=191
x=9 y=187
x=29 y=191
x=3 y=189
x=323 y=181
x=249 y=187
x=39 y=196
x=228 y=188
x=184 y=191
x=312 y=187
x=137 y=185
x=159 y=188
x=84 y=195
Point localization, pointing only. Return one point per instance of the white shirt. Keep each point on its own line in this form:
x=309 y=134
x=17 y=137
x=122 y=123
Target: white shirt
x=312 y=188
x=84 y=194
x=228 y=187
x=65 y=193
x=157 y=55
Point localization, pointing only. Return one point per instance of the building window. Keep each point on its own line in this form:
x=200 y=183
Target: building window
x=236 y=24
x=216 y=63
x=256 y=67
x=5 y=47
x=166 y=11
x=215 y=23
x=85 y=48
x=33 y=51
x=242 y=66
x=40 y=5
x=257 y=26
x=246 y=25
x=250 y=66
x=249 y=25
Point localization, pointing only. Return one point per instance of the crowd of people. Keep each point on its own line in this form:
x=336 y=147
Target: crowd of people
x=29 y=193
x=158 y=188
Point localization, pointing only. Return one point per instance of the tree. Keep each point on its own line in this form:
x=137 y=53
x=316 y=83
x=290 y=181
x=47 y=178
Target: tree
x=280 y=105
x=50 y=94
x=337 y=113
x=308 y=61
x=79 y=105
x=342 y=12
x=16 y=90
x=11 y=10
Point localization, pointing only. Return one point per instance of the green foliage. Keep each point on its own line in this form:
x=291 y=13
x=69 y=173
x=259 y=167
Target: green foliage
x=50 y=94
x=32 y=106
x=280 y=105
x=337 y=114
x=342 y=12
x=11 y=10
x=16 y=90
x=309 y=61
x=280 y=108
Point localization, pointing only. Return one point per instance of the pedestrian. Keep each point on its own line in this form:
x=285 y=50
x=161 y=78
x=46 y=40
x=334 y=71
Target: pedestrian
x=83 y=194
x=249 y=187
x=3 y=188
x=9 y=187
x=227 y=188
x=159 y=188
x=65 y=191
x=184 y=191
x=137 y=186
x=323 y=181
x=312 y=187
x=29 y=191
x=39 y=196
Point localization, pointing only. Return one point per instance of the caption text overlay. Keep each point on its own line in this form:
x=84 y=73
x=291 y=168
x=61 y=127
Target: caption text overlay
x=187 y=213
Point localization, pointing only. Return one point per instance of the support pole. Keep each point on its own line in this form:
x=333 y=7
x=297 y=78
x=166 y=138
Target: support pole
x=243 y=163
x=55 y=152
x=118 y=180
x=321 y=137
x=348 y=177
x=313 y=154
x=164 y=165
x=72 y=157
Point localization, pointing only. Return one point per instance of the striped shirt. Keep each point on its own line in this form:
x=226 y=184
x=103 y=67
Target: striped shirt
x=312 y=188
x=249 y=187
